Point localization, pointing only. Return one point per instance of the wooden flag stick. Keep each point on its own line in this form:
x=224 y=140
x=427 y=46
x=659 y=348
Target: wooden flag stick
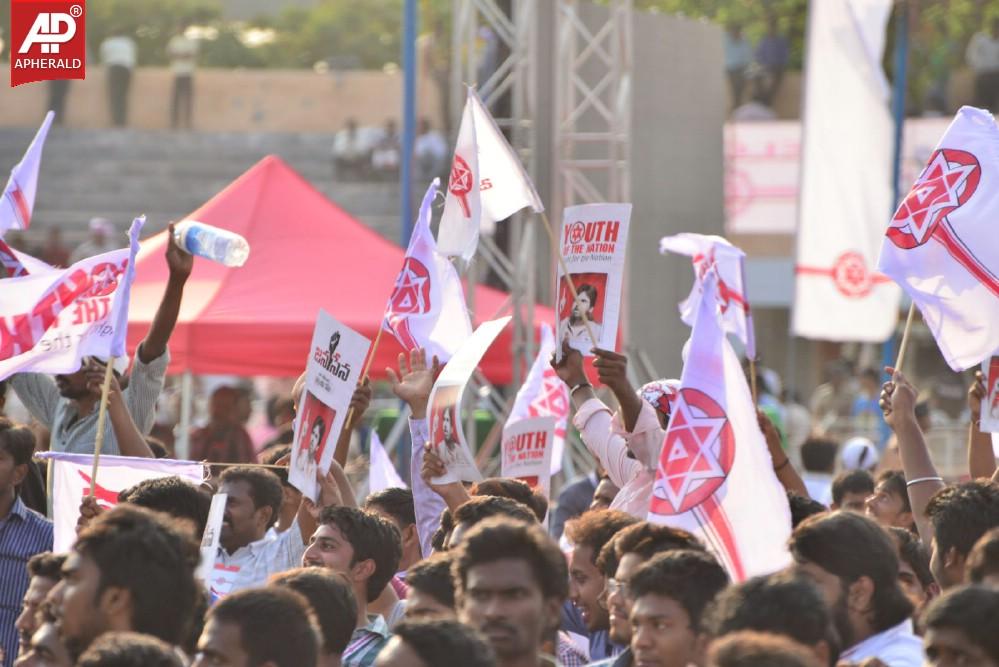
x=752 y=379
x=340 y=453
x=905 y=337
x=102 y=414
x=568 y=278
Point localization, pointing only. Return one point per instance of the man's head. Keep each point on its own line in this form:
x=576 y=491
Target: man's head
x=396 y=505
x=960 y=515
x=854 y=563
x=851 y=489
x=819 y=455
x=782 y=604
x=222 y=405
x=983 y=561
x=172 y=495
x=588 y=534
x=802 y=508
x=511 y=582
x=758 y=649
x=131 y=569
x=252 y=506
x=45 y=648
x=889 y=504
x=586 y=301
x=17 y=444
x=44 y=570
x=914 y=574
x=431 y=588
x=961 y=628
x=479 y=508
x=621 y=557
x=362 y=545
x=604 y=494
x=331 y=598
x=129 y=649
x=433 y=642
x=514 y=489
x=100 y=230
x=669 y=595
x=265 y=627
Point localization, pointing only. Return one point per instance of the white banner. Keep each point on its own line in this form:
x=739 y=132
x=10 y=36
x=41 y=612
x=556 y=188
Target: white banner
x=71 y=482
x=381 y=471
x=594 y=238
x=846 y=177
x=446 y=434
x=331 y=374
x=527 y=451
x=212 y=537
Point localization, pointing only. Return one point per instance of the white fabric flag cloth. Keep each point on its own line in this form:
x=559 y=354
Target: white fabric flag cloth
x=715 y=476
x=49 y=321
x=846 y=168
x=427 y=307
x=714 y=254
x=71 y=482
x=488 y=183
x=941 y=243
x=381 y=471
x=19 y=196
x=543 y=394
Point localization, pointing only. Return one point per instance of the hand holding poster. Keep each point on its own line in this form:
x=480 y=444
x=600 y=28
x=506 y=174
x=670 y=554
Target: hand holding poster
x=990 y=404
x=331 y=375
x=527 y=451
x=593 y=242
x=446 y=436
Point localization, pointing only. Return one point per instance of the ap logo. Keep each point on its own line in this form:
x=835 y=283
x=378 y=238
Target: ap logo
x=50 y=30
x=48 y=41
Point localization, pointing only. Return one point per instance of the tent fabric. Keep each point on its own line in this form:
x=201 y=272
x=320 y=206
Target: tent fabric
x=306 y=253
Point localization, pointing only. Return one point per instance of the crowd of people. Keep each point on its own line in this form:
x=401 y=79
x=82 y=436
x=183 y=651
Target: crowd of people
x=376 y=153
x=891 y=564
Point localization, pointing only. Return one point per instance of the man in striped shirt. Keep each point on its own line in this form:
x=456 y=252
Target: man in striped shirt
x=67 y=404
x=23 y=533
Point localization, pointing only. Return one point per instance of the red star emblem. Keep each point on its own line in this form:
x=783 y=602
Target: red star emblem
x=411 y=295
x=461 y=183
x=552 y=401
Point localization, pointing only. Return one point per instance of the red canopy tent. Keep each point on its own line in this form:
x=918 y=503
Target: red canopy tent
x=305 y=254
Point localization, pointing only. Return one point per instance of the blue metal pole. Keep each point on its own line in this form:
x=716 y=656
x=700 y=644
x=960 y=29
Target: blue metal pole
x=408 y=117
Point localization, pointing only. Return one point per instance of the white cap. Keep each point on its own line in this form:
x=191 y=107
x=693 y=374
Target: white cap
x=859 y=453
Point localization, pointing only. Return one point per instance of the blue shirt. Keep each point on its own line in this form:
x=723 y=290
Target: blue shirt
x=772 y=51
x=23 y=533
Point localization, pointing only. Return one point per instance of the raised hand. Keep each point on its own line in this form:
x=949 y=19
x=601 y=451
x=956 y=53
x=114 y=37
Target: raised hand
x=976 y=392
x=570 y=369
x=612 y=369
x=178 y=260
x=360 y=401
x=898 y=398
x=414 y=380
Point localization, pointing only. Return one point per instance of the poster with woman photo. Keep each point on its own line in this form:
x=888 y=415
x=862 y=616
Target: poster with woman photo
x=317 y=420
x=593 y=241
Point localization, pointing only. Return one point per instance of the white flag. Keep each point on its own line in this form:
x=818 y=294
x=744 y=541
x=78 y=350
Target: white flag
x=713 y=254
x=49 y=321
x=71 y=481
x=381 y=472
x=427 y=307
x=18 y=200
x=488 y=182
x=846 y=169
x=543 y=394
x=715 y=476
x=941 y=243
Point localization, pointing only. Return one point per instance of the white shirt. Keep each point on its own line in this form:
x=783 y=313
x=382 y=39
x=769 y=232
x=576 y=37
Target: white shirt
x=819 y=486
x=431 y=144
x=119 y=50
x=896 y=647
x=983 y=53
x=183 y=54
x=253 y=564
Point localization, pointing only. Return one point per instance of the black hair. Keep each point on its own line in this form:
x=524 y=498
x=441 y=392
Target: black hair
x=265 y=487
x=983 y=559
x=170 y=495
x=18 y=441
x=433 y=577
x=692 y=578
x=446 y=642
x=275 y=624
x=852 y=481
x=962 y=513
x=645 y=539
x=802 y=508
x=819 y=455
x=478 y=508
x=46 y=565
x=371 y=537
x=914 y=553
x=396 y=502
x=129 y=649
x=514 y=489
x=156 y=446
x=272 y=455
x=971 y=610
x=894 y=483
x=594 y=528
x=332 y=601
x=446 y=525
x=758 y=649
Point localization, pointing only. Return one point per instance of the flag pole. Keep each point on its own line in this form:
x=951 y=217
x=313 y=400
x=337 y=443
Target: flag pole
x=752 y=379
x=102 y=414
x=905 y=337
x=568 y=278
x=340 y=453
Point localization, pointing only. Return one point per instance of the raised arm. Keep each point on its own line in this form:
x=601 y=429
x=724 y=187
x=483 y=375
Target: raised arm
x=898 y=403
x=981 y=458
x=785 y=471
x=126 y=433
x=612 y=369
x=180 y=264
x=359 y=403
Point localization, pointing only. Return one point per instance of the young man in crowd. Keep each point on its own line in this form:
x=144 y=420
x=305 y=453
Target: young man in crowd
x=851 y=489
x=23 y=532
x=45 y=570
x=983 y=562
x=511 y=580
x=853 y=562
x=961 y=628
x=129 y=649
x=619 y=559
x=588 y=534
x=185 y=502
x=781 y=604
x=914 y=575
x=481 y=508
x=129 y=570
x=759 y=649
x=45 y=648
x=331 y=598
x=261 y=626
x=396 y=506
x=431 y=588
x=669 y=596
x=366 y=548
x=889 y=504
x=434 y=642
x=959 y=515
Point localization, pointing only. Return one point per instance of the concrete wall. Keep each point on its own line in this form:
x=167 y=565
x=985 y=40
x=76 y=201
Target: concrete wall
x=231 y=100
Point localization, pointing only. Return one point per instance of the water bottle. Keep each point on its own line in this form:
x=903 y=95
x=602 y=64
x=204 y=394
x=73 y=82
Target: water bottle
x=218 y=245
